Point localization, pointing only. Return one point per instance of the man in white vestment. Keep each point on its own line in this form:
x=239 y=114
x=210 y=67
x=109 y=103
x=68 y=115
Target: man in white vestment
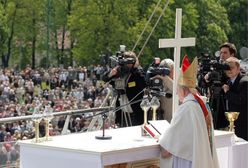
x=189 y=141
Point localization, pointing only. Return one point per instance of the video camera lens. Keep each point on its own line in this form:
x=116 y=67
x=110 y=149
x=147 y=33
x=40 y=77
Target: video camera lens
x=156 y=83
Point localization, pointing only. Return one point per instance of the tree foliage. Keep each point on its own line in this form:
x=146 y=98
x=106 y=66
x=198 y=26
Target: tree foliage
x=64 y=32
x=4 y=30
x=100 y=26
x=238 y=18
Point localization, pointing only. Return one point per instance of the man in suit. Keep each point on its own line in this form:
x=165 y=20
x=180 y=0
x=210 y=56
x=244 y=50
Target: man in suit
x=217 y=102
x=236 y=93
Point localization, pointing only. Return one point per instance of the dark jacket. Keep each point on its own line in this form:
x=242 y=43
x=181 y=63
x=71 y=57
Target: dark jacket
x=134 y=86
x=238 y=101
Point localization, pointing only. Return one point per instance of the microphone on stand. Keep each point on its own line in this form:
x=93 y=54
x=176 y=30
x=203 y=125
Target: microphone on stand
x=104 y=117
x=103 y=136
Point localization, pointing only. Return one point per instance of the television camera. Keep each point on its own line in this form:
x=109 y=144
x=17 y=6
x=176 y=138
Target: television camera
x=120 y=60
x=155 y=83
x=215 y=70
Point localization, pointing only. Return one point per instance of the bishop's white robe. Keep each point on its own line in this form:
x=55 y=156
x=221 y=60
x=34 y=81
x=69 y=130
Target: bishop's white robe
x=187 y=139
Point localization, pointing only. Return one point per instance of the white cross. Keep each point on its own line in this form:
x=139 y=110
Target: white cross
x=177 y=43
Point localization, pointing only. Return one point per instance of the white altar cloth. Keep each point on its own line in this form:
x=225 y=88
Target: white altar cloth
x=84 y=151
x=239 y=155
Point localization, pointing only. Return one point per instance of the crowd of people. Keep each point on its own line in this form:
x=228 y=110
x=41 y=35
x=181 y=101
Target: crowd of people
x=21 y=92
x=62 y=89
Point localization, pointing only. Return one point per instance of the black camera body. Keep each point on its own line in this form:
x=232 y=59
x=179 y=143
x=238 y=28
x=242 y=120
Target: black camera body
x=208 y=65
x=213 y=66
x=153 y=70
x=124 y=61
x=121 y=61
x=215 y=69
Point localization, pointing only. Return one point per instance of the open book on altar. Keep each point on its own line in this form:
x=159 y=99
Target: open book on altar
x=156 y=128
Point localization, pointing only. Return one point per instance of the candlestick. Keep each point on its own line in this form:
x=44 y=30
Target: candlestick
x=155 y=105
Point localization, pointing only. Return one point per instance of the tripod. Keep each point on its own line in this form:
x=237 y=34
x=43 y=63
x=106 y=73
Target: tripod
x=216 y=103
x=125 y=111
x=98 y=121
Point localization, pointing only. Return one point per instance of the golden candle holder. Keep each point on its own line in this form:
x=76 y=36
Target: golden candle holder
x=231 y=117
x=143 y=132
x=47 y=136
x=145 y=117
x=145 y=106
x=36 y=118
x=48 y=116
x=154 y=114
x=155 y=105
x=37 y=132
x=37 y=138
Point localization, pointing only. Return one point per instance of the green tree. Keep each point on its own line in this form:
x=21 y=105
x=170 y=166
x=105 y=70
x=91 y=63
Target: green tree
x=101 y=26
x=40 y=32
x=213 y=25
x=9 y=10
x=29 y=18
x=3 y=30
x=166 y=29
x=23 y=25
x=238 y=17
x=62 y=11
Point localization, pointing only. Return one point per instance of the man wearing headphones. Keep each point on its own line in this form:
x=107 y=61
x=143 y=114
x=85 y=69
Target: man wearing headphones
x=128 y=79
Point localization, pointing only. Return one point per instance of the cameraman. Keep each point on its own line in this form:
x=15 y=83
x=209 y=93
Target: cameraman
x=217 y=101
x=236 y=93
x=132 y=76
x=166 y=101
x=227 y=50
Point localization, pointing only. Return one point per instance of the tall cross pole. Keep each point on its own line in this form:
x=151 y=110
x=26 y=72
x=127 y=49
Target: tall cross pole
x=176 y=43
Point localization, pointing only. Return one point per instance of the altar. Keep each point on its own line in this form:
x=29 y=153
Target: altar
x=84 y=151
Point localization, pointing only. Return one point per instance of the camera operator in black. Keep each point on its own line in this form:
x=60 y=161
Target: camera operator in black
x=215 y=81
x=131 y=74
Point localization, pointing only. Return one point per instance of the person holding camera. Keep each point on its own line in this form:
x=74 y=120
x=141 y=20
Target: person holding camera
x=227 y=50
x=166 y=100
x=128 y=79
x=215 y=81
x=236 y=96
